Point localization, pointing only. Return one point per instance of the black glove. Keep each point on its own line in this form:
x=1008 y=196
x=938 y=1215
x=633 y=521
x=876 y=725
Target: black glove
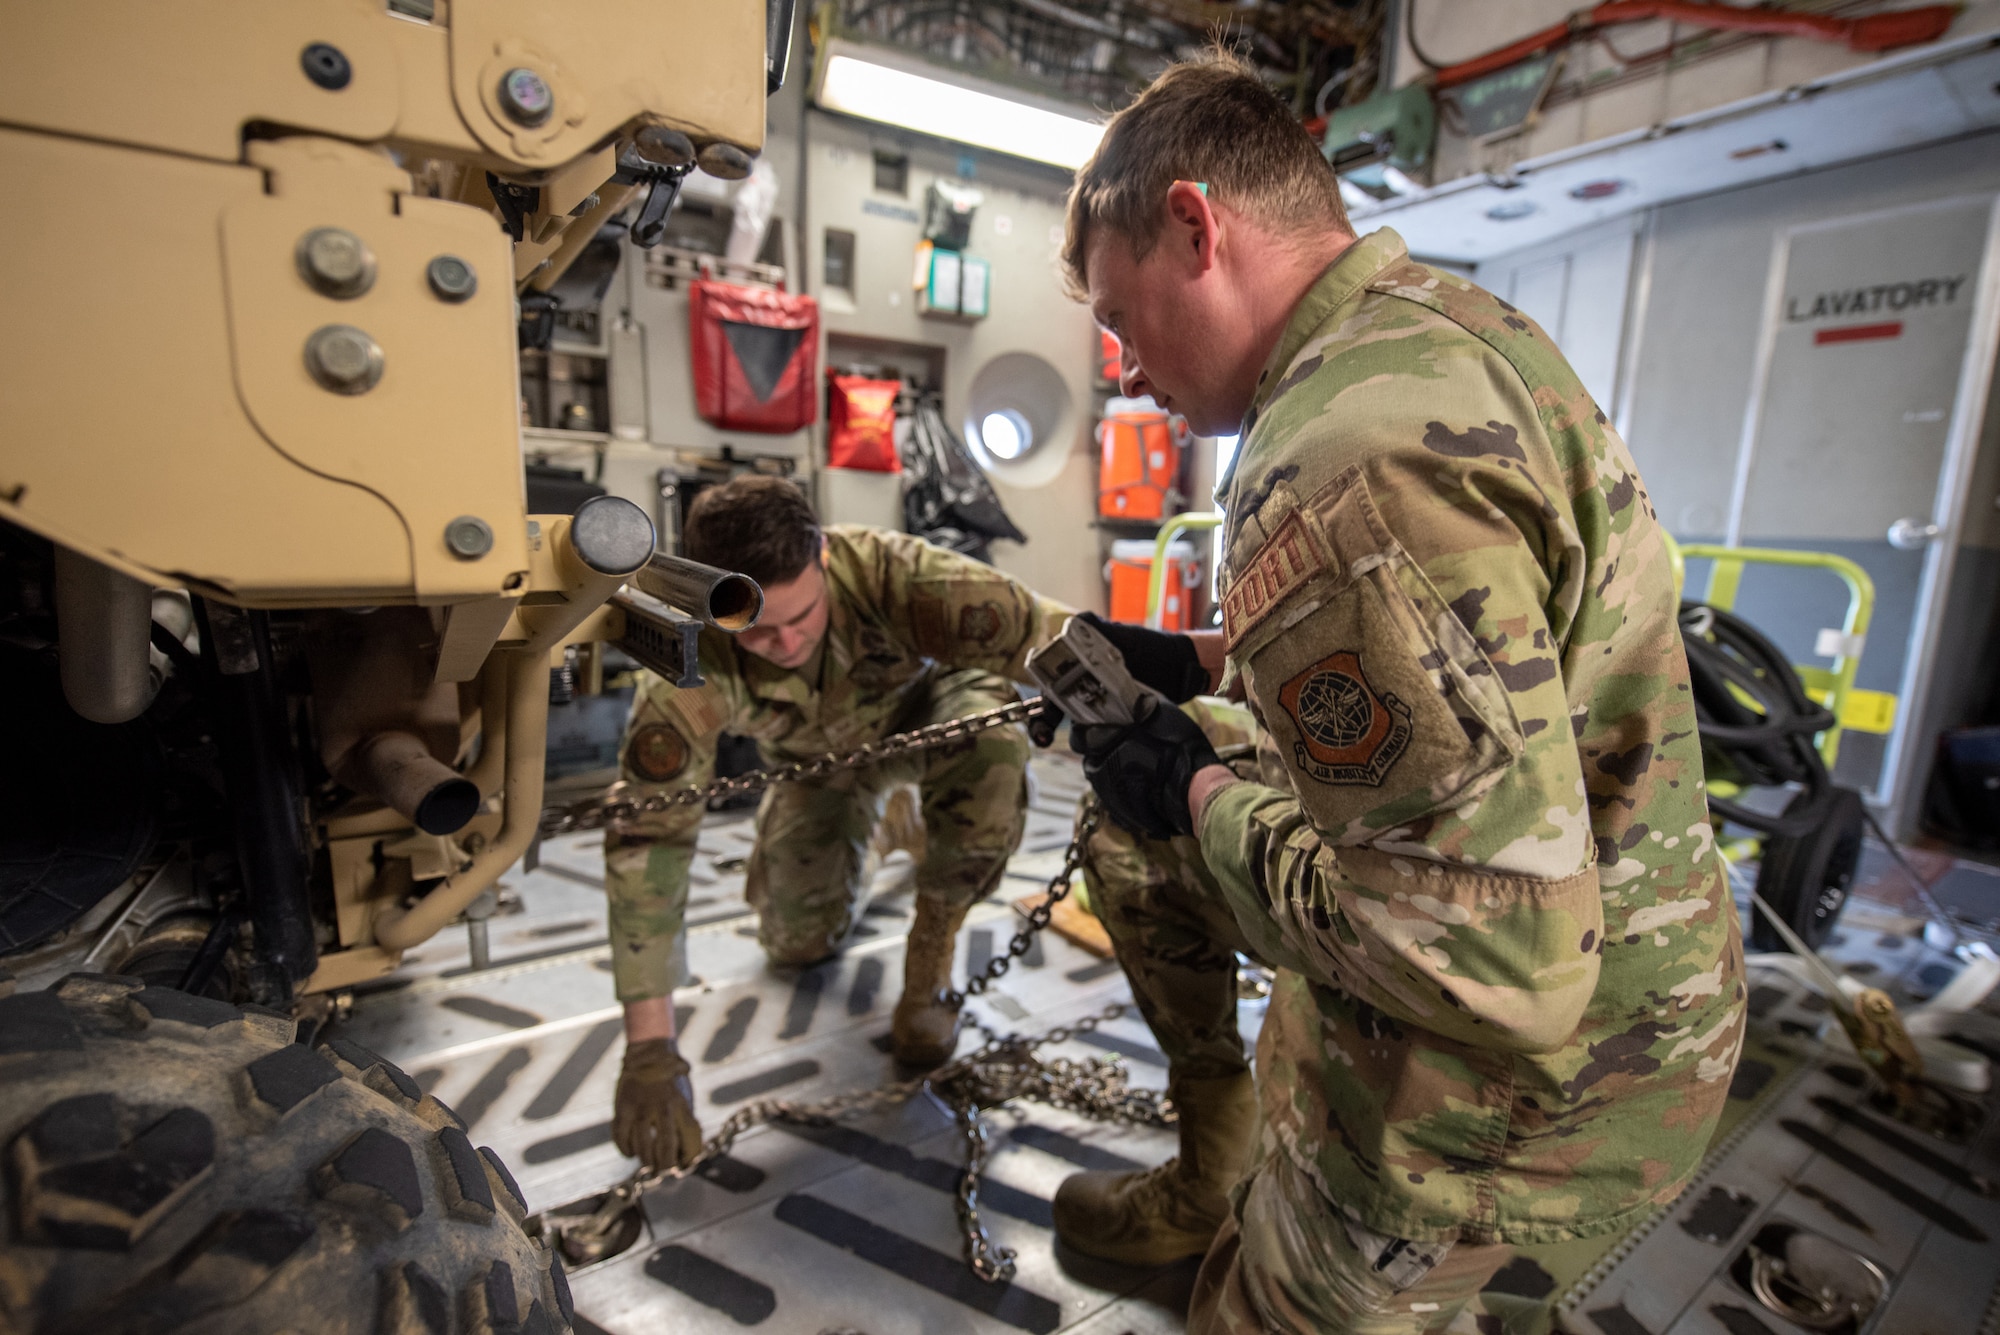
x=1142 y=772
x=1167 y=663
x=1042 y=724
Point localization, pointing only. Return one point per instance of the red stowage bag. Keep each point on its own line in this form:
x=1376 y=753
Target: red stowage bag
x=754 y=356
x=861 y=424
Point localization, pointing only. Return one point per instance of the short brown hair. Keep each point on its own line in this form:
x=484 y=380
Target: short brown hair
x=1210 y=119
x=757 y=525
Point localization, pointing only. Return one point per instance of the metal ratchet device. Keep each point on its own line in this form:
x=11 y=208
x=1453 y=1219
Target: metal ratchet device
x=1085 y=676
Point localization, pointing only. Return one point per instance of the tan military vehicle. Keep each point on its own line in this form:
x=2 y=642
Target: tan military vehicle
x=275 y=626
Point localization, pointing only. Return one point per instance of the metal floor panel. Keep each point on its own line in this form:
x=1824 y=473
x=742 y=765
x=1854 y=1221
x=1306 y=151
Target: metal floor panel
x=853 y=1229
x=805 y=1229
x=1819 y=1157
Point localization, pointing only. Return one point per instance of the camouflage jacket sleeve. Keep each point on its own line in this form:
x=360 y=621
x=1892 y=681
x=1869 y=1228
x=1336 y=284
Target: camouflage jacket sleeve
x=961 y=612
x=1403 y=572
x=669 y=744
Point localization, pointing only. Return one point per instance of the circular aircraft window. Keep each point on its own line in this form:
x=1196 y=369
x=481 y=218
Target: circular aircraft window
x=1018 y=419
x=1006 y=434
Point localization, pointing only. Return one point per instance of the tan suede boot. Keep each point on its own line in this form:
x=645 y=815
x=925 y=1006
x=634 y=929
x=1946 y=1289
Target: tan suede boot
x=925 y=1030
x=1156 y=1215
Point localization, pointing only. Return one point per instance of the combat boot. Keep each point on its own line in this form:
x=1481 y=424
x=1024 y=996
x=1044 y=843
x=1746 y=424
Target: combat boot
x=925 y=1030
x=1155 y=1215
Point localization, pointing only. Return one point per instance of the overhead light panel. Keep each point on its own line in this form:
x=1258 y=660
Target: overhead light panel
x=857 y=81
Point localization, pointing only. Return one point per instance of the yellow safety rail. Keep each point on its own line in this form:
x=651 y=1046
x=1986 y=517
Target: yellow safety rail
x=1863 y=711
x=1156 y=581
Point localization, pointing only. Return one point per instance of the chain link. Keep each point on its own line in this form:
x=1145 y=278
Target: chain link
x=1038 y=917
x=596 y=812
x=1003 y=1068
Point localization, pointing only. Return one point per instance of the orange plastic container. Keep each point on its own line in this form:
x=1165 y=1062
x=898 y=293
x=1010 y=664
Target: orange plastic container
x=1130 y=573
x=1139 y=462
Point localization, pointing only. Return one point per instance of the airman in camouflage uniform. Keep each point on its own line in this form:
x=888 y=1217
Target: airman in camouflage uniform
x=1509 y=996
x=1473 y=841
x=916 y=634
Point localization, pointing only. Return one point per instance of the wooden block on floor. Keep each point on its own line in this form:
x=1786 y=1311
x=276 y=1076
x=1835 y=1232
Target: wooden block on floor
x=1073 y=922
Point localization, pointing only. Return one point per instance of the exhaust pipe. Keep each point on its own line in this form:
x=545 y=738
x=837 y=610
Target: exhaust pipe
x=721 y=598
x=104 y=621
x=397 y=768
x=527 y=686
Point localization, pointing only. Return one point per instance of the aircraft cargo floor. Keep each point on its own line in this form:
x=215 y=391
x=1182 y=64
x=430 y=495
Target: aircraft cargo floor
x=852 y=1228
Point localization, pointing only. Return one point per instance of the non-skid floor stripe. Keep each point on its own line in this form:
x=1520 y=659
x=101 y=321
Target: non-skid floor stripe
x=1143 y=1053
x=735 y=1025
x=933 y=1173
x=1090 y=973
x=861 y=993
x=777 y=1078
x=1875 y=1175
x=479 y=1100
x=554 y=1096
x=570 y=1142
x=493 y=1012
x=1067 y=1147
x=746 y=1301
x=731 y=1174
x=940 y=1272
x=805 y=1001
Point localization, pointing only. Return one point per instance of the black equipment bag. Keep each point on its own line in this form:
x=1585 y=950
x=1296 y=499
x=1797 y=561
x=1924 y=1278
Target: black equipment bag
x=946 y=497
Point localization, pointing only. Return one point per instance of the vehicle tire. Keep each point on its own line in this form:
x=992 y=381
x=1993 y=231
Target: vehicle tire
x=175 y=1163
x=1806 y=877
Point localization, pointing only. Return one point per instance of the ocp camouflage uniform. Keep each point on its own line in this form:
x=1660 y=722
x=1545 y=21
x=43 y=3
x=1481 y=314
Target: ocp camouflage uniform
x=1509 y=996
x=915 y=634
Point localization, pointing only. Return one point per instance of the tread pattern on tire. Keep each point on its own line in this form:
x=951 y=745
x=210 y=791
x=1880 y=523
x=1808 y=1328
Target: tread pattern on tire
x=468 y=1194
x=174 y=1163
x=88 y=1173
x=413 y=1303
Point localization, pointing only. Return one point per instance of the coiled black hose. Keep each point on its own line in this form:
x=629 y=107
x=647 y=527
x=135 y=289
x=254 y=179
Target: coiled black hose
x=1758 y=725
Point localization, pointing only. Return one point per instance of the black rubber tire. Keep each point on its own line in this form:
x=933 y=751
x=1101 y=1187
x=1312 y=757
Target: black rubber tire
x=175 y=1163
x=1806 y=877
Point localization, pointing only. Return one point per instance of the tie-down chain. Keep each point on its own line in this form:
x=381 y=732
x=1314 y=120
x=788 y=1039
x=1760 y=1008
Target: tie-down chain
x=1003 y=1068
x=596 y=812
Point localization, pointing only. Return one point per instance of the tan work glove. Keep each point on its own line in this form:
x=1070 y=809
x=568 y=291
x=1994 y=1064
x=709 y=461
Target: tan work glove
x=653 y=1117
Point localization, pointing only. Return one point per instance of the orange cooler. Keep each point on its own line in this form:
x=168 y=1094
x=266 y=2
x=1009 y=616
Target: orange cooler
x=1139 y=463
x=1130 y=571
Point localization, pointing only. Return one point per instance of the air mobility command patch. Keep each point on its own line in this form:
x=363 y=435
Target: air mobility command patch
x=980 y=623
x=657 y=753
x=950 y=619
x=1348 y=733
